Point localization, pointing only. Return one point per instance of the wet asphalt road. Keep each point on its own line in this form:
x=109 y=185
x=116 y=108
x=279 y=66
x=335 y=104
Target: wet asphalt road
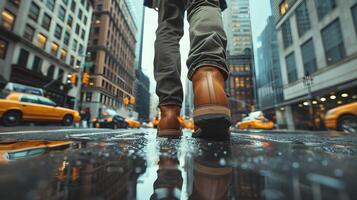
x=134 y=164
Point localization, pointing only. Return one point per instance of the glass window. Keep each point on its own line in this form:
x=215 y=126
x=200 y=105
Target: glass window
x=34 y=11
x=3 y=48
x=333 y=42
x=302 y=18
x=29 y=99
x=50 y=4
x=61 y=13
x=41 y=41
x=324 y=7
x=58 y=32
x=66 y=38
x=83 y=34
x=65 y=2
x=60 y=75
x=29 y=32
x=23 y=58
x=99 y=7
x=71 y=61
x=45 y=101
x=70 y=21
x=354 y=15
x=54 y=48
x=77 y=29
x=96 y=30
x=80 y=14
x=63 y=55
x=308 y=56
x=46 y=21
x=15 y=2
x=286 y=32
x=51 y=71
x=74 y=45
x=7 y=20
x=85 y=20
x=37 y=64
x=73 y=6
x=283 y=7
x=291 y=67
x=80 y=49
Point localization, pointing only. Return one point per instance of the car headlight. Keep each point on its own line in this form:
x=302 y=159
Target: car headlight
x=330 y=112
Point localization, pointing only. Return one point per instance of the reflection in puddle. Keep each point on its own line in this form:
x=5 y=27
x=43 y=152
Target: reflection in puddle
x=154 y=168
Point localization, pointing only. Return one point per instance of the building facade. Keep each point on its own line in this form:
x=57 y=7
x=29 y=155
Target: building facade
x=317 y=40
x=112 y=52
x=41 y=42
x=239 y=86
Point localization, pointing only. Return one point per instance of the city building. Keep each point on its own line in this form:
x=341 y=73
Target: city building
x=318 y=57
x=42 y=42
x=112 y=54
x=188 y=101
x=236 y=19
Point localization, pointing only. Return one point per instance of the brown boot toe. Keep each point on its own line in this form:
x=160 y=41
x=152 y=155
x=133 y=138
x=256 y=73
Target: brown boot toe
x=169 y=126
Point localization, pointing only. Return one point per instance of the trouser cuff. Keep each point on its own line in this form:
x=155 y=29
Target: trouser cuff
x=223 y=70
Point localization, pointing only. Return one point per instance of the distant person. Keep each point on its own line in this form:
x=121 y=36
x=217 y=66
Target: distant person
x=206 y=64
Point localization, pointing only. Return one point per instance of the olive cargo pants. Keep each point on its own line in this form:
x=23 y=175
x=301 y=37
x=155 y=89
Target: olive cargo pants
x=207 y=44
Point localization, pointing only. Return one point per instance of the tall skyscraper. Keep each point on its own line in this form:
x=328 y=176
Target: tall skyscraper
x=112 y=47
x=240 y=83
x=317 y=43
x=41 y=42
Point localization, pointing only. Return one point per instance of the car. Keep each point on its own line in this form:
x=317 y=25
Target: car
x=16 y=107
x=133 y=123
x=342 y=118
x=255 y=120
x=110 y=119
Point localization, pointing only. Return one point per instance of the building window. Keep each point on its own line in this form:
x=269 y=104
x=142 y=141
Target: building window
x=61 y=13
x=51 y=71
x=58 y=32
x=333 y=42
x=63 y=55
x=50 y=4
x=73 y=6
x=15 y=2
x=65 y=2
x=74 y=45
x=324 y=7
x=354 y=15
x=80 y=49
x=3 y=48
x=34 y=11
x=54 y=48
x=286 y=32
x=8 y=20
x=60 y=75
x=71 y=60
x=77 y=29
x=99 y=7
x=88 y=96
x=70 y=21
x=308 y=56
x=23 y=58
x=37 y=64
x=302 y=18
x=41 y=40
x=29 y=32
x=96 y=30
x=80 y=14
x=283 y=7
x=66 y=38
x=291 y=67
x=83 y=34
x=85 y=20
x=46 y=21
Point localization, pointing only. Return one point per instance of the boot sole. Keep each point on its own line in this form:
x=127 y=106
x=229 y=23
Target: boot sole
x=212 y=122
x=170 y=133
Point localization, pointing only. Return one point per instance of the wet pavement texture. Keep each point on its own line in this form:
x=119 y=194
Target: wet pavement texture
x=134 y=164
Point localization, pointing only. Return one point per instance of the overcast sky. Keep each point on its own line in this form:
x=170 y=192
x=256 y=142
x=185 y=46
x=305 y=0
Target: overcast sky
x=260 y=9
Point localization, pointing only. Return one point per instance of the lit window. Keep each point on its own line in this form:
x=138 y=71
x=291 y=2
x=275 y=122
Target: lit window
x=63 y=54
x=3 y=49
x=54 y=48
x=283 y=7
x=8 y=20
x=41 y=39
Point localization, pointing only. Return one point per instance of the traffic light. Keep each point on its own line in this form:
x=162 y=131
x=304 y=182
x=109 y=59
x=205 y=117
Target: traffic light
x=126 y=101
x=132 y=100
x=72 y=79
x=85 y=78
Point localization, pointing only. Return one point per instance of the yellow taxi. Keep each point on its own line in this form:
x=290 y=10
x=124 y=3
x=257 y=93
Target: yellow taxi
x=17 y=107
x=155 y=121
x=10 y=151
x=342 y=118
x=186 y=123
x=133 y=123
x=255 y=120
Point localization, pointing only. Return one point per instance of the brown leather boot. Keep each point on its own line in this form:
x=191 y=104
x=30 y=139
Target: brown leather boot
x=169 y=126
x=212 y=115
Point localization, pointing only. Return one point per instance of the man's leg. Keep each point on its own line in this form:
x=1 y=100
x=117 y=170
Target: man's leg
x=208 y=69
x=167 y=65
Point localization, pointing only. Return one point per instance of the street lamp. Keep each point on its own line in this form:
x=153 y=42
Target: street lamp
x=308 y=81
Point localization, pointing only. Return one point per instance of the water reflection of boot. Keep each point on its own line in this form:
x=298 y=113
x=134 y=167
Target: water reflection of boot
x=169 y=180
